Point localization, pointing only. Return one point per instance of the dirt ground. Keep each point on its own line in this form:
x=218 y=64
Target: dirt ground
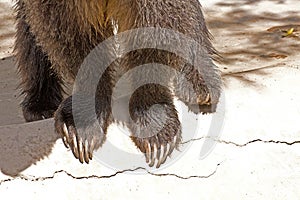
x=256 y=157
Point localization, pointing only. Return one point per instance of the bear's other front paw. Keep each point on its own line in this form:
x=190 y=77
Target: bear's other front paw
x=82 y=138
x=157 y=133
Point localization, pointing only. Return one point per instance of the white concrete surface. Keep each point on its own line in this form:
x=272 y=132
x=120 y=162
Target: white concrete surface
x=256 y=157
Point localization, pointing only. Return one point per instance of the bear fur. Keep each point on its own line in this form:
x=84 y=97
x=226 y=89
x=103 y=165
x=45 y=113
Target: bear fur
x=53 y=39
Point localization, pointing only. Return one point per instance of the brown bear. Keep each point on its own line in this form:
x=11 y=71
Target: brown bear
x=53 y=39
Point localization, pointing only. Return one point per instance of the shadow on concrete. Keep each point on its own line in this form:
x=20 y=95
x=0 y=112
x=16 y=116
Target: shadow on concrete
x=248 y=2
x=257 y=38
x=9 y=96
x=22 y=145
x=247 y=78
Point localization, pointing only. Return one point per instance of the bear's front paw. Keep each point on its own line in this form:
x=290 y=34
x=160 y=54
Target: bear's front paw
x=82 y=137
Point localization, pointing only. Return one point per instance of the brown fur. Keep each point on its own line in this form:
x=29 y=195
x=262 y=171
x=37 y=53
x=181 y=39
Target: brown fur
x=54 y=37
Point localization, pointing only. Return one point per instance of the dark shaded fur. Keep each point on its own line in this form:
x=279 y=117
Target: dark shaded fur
x=41 y=86
x=54 y=37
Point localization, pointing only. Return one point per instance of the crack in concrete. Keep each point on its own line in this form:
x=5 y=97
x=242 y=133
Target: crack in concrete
x=245 y=144
x=26 y=178
x=194 y=140
x=33 y=179
x=188 y=177
x=260 y=140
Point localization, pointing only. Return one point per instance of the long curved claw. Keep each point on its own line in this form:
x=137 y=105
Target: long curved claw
x=86 y=151
x=73 y=141
x=153 y=151
x=165 y=155
x=91 y=149
x=80 y=150
x=65 y=132
x=158 y=156
x=148 y=151
x=172 y=146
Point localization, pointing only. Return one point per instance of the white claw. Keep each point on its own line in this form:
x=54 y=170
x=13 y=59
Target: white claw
x=148 y=152
x=153 y=152
x=172 y=145
x=65 y=137
x=75 y=147
x=160 y=156
x=206 y=101
x=165 y=155
x=91 y=149
x=207 y=98
x=86 y=151
x=65 y=130
x=80 y=151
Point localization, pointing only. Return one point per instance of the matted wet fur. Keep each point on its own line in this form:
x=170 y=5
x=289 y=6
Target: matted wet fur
x=54 y=37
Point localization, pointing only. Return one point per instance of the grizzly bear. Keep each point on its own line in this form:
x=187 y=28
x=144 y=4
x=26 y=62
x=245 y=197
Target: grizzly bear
x=54 y=38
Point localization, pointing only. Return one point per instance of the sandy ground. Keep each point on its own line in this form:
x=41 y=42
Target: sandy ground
x=256 y=157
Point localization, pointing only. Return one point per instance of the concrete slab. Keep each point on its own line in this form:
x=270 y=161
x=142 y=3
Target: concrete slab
x=256 y=157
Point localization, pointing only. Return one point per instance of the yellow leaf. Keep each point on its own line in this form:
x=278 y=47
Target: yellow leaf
x=289 y=32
